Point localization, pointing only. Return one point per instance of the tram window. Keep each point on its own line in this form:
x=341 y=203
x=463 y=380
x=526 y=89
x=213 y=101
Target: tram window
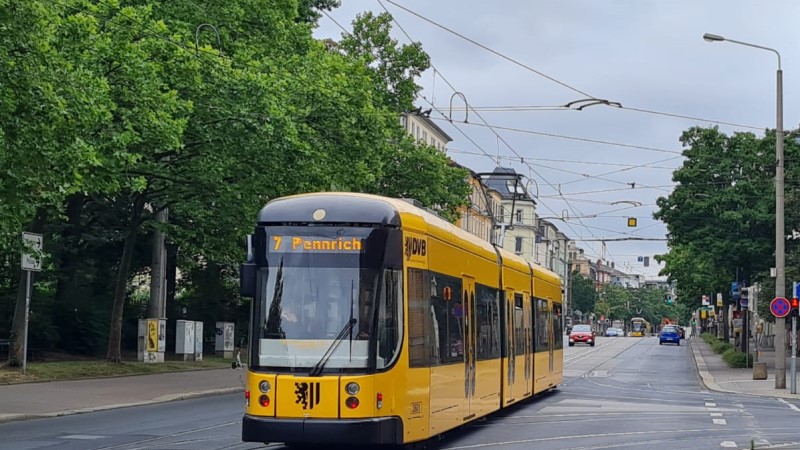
x=558 y=321
x=447 y=317
x=542 y=326
x=422 y=343
x=519 y=328
x=390 y=316
x=488 y=322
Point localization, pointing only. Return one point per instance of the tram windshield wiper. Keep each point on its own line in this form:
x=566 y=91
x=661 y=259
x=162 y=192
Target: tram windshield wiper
x=317 y=369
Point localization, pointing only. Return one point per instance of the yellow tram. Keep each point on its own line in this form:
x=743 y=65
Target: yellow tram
x=376 y=322
x=639 y=327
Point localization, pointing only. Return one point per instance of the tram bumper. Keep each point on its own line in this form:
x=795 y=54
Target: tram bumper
x=383 y=430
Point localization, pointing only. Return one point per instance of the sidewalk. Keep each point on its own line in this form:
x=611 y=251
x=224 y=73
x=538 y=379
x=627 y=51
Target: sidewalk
x=717 y=376
x=58 y=398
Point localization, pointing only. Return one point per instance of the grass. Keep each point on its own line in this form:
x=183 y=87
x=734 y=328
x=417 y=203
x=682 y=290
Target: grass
x=72 y=370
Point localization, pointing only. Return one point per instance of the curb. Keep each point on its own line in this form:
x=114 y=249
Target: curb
x=710 y=383
x=4 y=418
x=122 y=375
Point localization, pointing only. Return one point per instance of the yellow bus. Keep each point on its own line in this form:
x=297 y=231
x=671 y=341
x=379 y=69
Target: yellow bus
x=376 y=322
x=639 y=327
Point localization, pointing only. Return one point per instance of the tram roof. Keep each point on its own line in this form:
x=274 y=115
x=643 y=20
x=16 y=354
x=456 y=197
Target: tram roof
x=352 y=207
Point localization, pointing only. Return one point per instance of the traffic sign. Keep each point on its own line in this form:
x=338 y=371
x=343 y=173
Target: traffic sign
x=33 y=260
x=780 y=307
x=743 y=302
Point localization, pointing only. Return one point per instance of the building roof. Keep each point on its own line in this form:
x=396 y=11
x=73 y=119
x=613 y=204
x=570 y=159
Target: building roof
x=429 y=123
x=502 y=180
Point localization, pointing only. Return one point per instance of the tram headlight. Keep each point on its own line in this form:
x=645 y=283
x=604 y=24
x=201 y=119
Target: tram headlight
x=352 y=388
x=264 y=387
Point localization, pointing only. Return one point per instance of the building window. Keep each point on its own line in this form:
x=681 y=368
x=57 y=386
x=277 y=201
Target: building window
x=519 y=216
x=518 y=244
x=424 y=136
x=413 y=128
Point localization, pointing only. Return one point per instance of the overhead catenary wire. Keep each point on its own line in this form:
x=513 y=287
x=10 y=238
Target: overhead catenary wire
x=533 y=170
x=553 y=79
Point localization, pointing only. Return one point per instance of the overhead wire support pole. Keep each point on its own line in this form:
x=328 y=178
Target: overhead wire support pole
x=780 y=255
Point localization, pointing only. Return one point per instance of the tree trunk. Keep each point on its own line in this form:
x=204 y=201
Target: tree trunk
x=115 y=332
x=67 y=262
x=18 y=323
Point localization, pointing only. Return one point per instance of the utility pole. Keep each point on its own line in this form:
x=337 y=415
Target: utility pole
x=156 y=308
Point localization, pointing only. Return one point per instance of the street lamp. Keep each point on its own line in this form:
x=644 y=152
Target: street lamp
x=780 y=257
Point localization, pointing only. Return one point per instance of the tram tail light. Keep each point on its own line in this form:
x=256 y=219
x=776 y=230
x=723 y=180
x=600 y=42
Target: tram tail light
x=247 y=397
x=380 y=400
x=263 y=400
x=351 y=402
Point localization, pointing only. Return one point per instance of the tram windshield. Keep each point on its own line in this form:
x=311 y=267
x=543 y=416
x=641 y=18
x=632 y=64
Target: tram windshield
x=316 y=280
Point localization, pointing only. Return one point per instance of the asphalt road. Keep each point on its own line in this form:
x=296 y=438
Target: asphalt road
x=622 y=393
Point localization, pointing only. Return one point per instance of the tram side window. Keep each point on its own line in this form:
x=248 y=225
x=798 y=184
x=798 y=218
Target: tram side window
x=447 y=316
x=519 y=327
x=422 y=343
x=542 y=326
x=390 y=316
x=488 y=308
x=558 y=323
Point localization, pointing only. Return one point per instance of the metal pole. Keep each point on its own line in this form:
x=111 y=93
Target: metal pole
x=27 y=309
x=794 y=356
x=780 y=275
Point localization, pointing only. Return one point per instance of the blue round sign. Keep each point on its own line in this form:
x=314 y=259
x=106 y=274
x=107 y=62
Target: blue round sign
x=780 y=307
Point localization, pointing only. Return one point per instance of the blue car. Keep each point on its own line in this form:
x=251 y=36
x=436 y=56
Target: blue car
x=669 y=334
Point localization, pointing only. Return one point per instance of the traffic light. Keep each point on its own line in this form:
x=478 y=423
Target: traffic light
x=795 y=303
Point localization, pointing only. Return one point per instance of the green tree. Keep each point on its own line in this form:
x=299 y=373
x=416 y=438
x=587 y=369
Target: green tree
x=583 y=293
x=394 y=67
x=720 y=217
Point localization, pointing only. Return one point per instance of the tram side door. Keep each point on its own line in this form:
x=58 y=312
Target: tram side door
x=551 y=339
x=470 y=344
x=527 y=326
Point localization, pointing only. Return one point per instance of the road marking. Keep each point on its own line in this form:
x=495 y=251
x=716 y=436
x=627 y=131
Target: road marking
x=574 y=437
x=790 y=405
x=716 y=414
x=708 y=404
x=85 y=437
x=713 y=409
x=728 y=444
x=720 y=421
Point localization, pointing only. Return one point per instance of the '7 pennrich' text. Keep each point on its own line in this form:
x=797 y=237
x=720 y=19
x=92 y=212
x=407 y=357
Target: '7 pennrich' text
x=308 y=243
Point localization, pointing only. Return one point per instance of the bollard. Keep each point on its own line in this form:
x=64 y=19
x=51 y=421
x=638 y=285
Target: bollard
x=759 y=371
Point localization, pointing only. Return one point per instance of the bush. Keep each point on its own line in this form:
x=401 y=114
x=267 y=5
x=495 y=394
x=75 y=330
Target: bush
x=709 y=338
x=721 y=347
x=737 y=359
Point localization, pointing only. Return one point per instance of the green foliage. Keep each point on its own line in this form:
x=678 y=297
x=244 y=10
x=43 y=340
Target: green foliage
x=721 y=347
x=584 y=295
x=737 y=359
x=108 y=114
x=721 y=216
x=709 y=338
x=394 y=68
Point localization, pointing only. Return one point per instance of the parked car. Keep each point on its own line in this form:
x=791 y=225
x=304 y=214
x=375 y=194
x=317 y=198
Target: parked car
x=581 y=333
x=611 y=332
x=669 y=334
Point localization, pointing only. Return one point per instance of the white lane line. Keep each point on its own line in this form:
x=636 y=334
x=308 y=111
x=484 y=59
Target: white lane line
x=713 y=409
x=709 y=404
x=86 y=437
x=720 y=421
x=716 y=414
x=790 y=405
x=728 y=444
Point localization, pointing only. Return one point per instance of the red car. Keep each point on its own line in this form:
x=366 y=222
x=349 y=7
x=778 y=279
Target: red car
x=581 y=333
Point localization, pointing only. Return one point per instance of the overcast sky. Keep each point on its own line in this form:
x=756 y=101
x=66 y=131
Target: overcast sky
x=643 y=54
